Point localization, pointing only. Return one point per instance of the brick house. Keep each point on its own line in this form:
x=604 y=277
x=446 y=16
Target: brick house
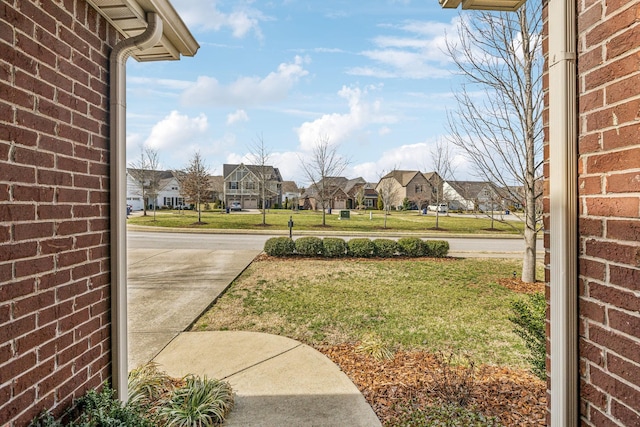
x=592 y=208
x=62 y=192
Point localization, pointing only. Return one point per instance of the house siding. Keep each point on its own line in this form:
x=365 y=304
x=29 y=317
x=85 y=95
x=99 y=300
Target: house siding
x=608 y=282
x=54 y=210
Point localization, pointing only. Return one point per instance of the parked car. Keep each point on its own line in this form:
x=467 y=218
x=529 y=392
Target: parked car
x=442 y=208
x=236 y=206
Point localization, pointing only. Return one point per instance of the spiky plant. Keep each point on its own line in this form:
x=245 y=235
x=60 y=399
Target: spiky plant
x=200 y=402
x=147 y=384
x=374 y=347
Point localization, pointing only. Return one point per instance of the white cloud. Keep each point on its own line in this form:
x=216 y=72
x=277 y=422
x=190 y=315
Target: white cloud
x=176 y=130
x=237 y=117
x=338 y=127
x=420 y=54
x=247 y=90
x=205 y=15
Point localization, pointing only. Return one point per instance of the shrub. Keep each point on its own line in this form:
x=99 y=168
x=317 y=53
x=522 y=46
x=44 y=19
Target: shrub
x=279 y=246
x=146 y=384
x=412 y=247
x=200 y=402
x=362 y=248
x=437 y=248
x=529 y=319
x=385 y=248
x=309 y=246
x=334 y=247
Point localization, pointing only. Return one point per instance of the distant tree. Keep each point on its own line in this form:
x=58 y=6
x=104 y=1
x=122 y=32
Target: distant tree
x=442 y=164
x=498 y=122
x=324 y=163
x=194 y=183
x=259 y=156
x=387 y=193
x=146 y=175
x=360 y=197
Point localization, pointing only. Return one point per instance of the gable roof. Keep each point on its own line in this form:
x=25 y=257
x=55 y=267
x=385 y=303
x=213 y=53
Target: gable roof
x=270 y=171
x=404 y=177
x=471 y=189
x=290 y=187
x=129 y=18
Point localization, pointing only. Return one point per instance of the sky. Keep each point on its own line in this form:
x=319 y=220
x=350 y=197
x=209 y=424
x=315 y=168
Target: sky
x=370 y=77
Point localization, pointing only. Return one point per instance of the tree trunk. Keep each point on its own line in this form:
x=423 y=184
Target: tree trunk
x=529 y=260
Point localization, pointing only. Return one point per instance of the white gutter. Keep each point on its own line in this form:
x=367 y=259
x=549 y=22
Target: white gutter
x=563 y=196
x=117 y=126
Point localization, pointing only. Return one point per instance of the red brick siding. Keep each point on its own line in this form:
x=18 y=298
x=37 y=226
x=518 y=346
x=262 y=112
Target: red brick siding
x=608 y=88
x=54 y=250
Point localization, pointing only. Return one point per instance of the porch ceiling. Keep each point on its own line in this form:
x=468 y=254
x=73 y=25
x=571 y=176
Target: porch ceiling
x=503 y=5
x=128 y=17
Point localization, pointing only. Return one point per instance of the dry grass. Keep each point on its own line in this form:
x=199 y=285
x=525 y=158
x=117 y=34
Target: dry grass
x=420 y=304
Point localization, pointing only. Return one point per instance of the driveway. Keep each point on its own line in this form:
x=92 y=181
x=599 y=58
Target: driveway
x=168 y=289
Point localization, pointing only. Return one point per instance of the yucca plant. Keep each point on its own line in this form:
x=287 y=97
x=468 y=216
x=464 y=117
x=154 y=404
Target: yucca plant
x=374 y=347
x=147 y=384
x=200 y=402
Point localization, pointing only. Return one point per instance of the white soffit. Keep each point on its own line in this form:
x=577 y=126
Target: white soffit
x=128 y=17
x=498 y=5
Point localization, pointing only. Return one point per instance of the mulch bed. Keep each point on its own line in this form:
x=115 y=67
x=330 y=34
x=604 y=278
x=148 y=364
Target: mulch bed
x=515 y=397
x=518 y=285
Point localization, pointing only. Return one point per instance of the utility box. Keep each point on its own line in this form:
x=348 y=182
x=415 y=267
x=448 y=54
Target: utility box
x=345 y=214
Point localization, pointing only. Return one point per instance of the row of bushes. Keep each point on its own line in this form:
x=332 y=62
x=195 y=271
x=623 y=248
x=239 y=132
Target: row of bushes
x=333 y=247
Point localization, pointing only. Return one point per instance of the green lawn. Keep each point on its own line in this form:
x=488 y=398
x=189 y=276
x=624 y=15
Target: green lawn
x=397 y=221
x=425 y=304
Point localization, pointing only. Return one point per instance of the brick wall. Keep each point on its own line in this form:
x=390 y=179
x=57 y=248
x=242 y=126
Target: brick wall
x=54 y=202
x=609 y=223
x=609 y=211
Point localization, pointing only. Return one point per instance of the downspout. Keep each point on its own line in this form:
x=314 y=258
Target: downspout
x=563 y=197
x=117 y=126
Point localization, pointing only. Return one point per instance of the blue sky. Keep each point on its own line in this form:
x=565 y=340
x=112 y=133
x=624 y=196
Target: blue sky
x=370 y=76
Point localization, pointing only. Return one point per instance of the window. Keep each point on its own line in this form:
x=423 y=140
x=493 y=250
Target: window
x=250 y=185
x=233 y=185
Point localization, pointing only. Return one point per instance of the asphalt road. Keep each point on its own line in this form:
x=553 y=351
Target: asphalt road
x=459 y=246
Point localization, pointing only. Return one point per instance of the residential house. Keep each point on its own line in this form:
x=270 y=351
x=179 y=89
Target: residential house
x=363 y=195
x=472 y=195
x=153 y=189
x=290 y=194
x=216 y=185
x=337 y=192
x=243 y=184
x=63 y=192
x=418 y=188
x=591 y=208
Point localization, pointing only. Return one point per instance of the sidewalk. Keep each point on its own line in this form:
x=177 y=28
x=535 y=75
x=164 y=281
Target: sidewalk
x=277 y=381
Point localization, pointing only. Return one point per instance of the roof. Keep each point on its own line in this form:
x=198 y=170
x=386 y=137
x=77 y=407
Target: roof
x=129 y=18
x=290 y=187
x=273 y=173
x=470 y=189
x=402 y=176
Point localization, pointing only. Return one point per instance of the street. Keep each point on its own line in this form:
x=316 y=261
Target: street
x=459 y=246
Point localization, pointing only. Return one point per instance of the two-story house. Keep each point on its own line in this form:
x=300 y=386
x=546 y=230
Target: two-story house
x=244 y=184
x=418 y=188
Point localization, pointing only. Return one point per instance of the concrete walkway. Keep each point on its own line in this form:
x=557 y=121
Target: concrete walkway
x=277 y=381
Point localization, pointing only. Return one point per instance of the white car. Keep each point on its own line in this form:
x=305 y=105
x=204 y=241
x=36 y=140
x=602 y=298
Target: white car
x=235 y=206
x=442 y=208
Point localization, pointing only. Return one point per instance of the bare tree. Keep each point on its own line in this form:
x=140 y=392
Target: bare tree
x=388 y=193
x=259 y=157
x=442 y=164
x=359 y=197
x=498 y=122
x=146 y=175
x=323 y=164
x=194 y=182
